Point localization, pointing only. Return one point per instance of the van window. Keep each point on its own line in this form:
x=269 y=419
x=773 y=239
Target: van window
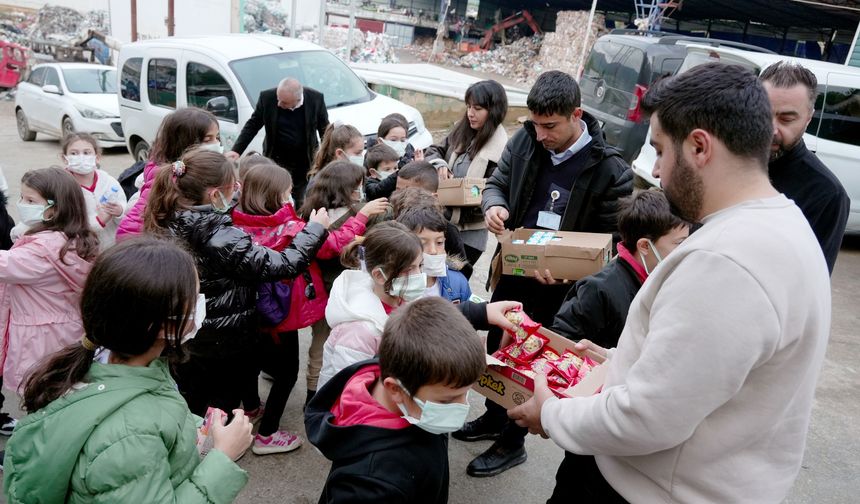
x=320 y=70
x=812 y=127
x=37 y=76
x=204 y=84
x=161 y=82
x=52 y=78
x=840 y=117
x=618 y=65
x=129 y=79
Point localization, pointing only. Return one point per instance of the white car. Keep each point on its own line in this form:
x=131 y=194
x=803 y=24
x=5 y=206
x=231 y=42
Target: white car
x=833 y=134
x=61 y=98
x=225 y=74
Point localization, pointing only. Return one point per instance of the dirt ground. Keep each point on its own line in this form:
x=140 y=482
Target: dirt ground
x=830 y=467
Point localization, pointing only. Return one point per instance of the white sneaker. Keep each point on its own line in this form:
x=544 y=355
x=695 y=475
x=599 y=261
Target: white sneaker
x=279 y=442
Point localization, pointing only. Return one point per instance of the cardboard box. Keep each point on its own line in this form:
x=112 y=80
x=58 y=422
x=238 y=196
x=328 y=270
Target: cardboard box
x=509 y=388
x=461 y=191
x=567 y=255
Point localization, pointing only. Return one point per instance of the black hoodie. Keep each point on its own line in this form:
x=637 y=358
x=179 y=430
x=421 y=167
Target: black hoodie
x=374 y=464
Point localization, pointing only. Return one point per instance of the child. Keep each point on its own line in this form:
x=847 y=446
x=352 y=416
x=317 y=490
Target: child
x=45 y=271
x=191 y=200
x=341 y=142
x=269 y=217
x=179 y=131
x=119 y=431
x=430 y=225
x=393 y=131
x=418 y=174
x=250 y=160
x=390 y=258
x=384 y=422
x=339 y=187
x=381 y=165
x=104 y=197
x=596 y=307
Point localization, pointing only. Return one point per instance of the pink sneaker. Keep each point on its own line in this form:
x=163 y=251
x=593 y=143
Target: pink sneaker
x=255 y=415
x=279 y=442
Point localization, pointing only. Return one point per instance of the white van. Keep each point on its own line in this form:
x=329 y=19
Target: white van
x=833 y=134
x=225 y=75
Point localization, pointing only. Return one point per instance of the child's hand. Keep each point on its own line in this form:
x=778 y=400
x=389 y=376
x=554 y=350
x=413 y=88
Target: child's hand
x=234 y=438
x=320 y=216
x=113 y=209
x=103 y=214
x=496 y=314
x=377 y=206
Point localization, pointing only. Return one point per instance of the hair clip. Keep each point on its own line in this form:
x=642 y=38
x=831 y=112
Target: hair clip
x=178 y=168
x=362 y=265
x=337 y=123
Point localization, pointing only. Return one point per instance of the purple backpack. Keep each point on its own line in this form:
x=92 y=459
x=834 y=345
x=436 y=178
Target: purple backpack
x=273 y=302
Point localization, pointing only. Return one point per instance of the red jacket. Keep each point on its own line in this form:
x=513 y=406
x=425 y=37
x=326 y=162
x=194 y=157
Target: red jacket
x=276 y=231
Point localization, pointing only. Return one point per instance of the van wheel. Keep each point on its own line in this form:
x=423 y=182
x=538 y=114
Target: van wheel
x=24 y=131
x=141 y=151
x=67 y=127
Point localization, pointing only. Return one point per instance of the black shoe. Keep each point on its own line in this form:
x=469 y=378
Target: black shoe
x=496 y=460
x=479 y=429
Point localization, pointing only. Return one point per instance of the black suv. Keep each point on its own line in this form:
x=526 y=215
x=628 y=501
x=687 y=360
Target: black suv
x=621 y=66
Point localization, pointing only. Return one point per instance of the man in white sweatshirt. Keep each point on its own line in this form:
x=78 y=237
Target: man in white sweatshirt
x=709 y=392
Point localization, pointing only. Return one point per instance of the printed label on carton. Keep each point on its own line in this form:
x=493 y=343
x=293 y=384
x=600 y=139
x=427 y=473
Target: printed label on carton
x=487 y=381
x=511 y=258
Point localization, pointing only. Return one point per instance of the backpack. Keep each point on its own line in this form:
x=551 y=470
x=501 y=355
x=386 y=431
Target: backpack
x=273 y=302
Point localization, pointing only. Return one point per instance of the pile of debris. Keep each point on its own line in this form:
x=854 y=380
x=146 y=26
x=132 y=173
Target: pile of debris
x=517 y=61
x=563 y=49
x=366 y=47
x=265 y=16
x=14 y=25
x=66 y=26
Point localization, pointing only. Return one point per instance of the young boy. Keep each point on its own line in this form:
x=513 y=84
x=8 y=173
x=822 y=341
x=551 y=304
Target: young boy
x=430 y=225
x=596 y=307
x=384 y=422
x=418 y=174
x=380 y=164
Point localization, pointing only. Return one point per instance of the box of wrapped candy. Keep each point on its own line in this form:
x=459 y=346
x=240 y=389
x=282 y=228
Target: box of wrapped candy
x=461 y=191
x=509 y=377
x=567 y=255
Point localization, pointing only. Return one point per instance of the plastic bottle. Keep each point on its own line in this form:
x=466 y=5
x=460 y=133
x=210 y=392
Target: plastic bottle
x=111 y=196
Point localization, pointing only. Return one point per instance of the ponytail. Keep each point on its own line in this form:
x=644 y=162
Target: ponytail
x=334 y=138
x=351 y=256
x=55 y=375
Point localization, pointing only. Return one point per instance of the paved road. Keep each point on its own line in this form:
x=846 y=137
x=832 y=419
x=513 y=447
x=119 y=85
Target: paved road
x=830 y=467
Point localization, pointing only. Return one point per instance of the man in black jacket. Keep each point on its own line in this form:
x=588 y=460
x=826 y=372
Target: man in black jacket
x=293 y=117
x=796 y=172
x=558 y=173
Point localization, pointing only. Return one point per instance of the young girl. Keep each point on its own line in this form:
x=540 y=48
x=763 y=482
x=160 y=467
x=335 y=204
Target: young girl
x=340 y=142
x=191 y=200
x=473 y=149
x=338 y=187
x=44 y=271
x=393 y=131
x=119 y=431
x=179 y=131
x=269 y=216
x=104 y=197
x=390 y=260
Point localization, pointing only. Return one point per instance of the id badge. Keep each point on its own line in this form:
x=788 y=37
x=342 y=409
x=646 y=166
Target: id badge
x=549 y=220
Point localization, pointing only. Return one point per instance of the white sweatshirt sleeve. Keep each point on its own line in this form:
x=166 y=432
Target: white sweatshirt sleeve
x=710 y=323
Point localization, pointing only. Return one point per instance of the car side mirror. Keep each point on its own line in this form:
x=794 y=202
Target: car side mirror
x=51 y=89
x=218 y=105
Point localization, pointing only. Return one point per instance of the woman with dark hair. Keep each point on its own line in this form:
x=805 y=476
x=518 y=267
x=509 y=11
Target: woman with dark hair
x=178 y=132
x=119 y=431
x=472 y=150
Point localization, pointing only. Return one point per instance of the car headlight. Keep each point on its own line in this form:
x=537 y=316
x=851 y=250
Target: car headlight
x=90 y=113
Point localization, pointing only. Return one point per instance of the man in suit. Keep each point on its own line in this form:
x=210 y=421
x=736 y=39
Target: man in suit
x=292 y=116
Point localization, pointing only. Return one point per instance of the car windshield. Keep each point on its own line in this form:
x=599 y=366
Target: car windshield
x=320 y=70
x=90 y=80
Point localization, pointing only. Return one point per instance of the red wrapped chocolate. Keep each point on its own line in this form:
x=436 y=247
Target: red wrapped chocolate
x=532 y=346
x=568 y=365
x=525 y=325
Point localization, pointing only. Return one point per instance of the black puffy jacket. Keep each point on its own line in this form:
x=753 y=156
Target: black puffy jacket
x=231 y=266
x=594 y=194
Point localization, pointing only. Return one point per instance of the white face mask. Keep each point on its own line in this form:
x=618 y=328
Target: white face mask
x=436 y=418
x=399 y=147
x=434 y=265
x=656 y=254
x=199 y=317
x=32 y=213
x=82 y=164
x=360 y=191
x=214 y=147
x=359 y=160
x=408 y=288
x=384 y=174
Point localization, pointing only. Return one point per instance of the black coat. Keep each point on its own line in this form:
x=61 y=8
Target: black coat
x=266 y=115
x=802 y=177
x=596 y=306
x=6 y=224
x=372 y=464
x=593 y=196
x=231 y=266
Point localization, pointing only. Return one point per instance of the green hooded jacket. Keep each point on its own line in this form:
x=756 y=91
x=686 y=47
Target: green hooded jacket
x=125 y=435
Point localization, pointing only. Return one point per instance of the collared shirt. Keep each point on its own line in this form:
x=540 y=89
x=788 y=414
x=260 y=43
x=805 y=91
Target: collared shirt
x=300 y=103
x=577 y=146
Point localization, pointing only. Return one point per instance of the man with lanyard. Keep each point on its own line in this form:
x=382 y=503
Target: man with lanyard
x=555 y=173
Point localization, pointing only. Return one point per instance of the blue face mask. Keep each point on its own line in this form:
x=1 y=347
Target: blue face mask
x=436 y=418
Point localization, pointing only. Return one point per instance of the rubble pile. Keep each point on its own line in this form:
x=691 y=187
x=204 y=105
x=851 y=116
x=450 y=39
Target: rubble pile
x=366 y=47
x=562 y=49
x=14 y=26
x=265 y=16
x=65 y=25
x=517 y=61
